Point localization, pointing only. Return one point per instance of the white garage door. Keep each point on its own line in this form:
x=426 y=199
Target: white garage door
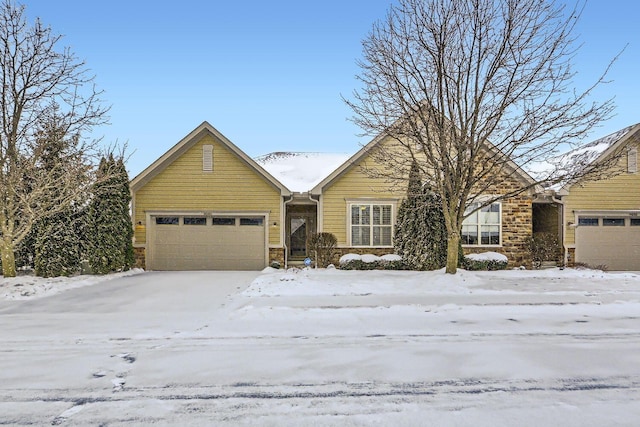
x=206 y=243
x=613 y=241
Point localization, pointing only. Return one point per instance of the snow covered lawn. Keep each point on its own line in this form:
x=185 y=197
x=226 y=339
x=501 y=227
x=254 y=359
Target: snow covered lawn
x=26 y=286
x=326 y=347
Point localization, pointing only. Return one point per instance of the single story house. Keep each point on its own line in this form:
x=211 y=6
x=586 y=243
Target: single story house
x=206 y=205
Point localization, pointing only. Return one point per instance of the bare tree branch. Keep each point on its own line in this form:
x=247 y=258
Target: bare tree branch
x=46 y=96
x=474 y=90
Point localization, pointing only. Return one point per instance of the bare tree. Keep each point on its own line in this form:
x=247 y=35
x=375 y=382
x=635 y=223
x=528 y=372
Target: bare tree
x=43 y=87
x=473 y=90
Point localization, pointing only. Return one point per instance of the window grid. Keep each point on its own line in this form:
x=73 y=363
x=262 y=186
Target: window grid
x=371 y=224
x=482 y=227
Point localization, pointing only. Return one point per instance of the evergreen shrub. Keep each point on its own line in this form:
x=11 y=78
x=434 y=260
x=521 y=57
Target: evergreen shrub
x=483 y=265
x=421 y=235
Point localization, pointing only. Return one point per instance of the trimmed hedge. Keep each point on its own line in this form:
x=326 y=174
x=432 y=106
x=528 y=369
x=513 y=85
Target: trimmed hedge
x=485 y=265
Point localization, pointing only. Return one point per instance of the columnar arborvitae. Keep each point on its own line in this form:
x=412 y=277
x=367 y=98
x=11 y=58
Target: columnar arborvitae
x=57 y=246
x=420 y=235
x=53 y=243
x=109 y=229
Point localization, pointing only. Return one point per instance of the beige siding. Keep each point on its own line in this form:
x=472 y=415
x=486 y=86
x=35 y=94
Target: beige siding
x=355 y=184
x=358 y=184
x=231 y=186
x=619 y=192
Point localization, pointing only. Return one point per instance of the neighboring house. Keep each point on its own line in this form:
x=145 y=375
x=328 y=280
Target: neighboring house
x=601 y=218
x=206 y=205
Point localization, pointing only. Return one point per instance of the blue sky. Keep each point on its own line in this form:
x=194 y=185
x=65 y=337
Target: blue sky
x=269 y=75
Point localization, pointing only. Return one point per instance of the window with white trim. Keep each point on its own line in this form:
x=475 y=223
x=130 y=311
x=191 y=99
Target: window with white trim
x=371 y=224
x=483 y=226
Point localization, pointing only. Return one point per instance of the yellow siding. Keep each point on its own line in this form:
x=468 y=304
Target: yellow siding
x=355 y=184
x=232 y=186
x=619 y=192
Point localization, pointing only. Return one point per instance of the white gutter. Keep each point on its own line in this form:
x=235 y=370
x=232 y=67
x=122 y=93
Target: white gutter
x=284 y=233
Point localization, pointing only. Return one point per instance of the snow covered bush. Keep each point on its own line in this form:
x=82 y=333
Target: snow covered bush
x=485 y=261
x=372 y=262
x=323 y=247
x=421 y=235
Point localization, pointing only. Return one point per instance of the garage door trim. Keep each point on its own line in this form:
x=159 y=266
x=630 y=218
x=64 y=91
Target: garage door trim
x=151 y=215
x=611 y=243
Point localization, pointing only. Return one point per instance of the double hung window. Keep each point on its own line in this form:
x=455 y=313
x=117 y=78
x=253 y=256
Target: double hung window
x=371 y=224
x=483 y=226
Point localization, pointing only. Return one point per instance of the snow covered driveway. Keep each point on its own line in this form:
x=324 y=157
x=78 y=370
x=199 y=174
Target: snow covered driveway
x=327 y=347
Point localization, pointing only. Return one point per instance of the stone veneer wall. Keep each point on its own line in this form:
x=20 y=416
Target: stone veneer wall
x=276 y=254
x=517 y=226
x=516 y=230
x=139 y=256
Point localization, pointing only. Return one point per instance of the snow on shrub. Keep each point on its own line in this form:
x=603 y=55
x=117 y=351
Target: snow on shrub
x=371 y=262
x=349 y=257
x=368 y=258
x=487 y=256
x=485 y=261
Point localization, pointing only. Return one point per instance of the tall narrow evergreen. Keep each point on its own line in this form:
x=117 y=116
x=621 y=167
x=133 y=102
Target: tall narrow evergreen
x=109 y=229
x=53 y=243
x=421 y=237
x=57 y=246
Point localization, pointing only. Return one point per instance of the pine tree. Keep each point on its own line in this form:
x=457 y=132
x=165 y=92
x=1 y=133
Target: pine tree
x=57 y=247
x=109 y=228
x=421 y=237
x=53 y=242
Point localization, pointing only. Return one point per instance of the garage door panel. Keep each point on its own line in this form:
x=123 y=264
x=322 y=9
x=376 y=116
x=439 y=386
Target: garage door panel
x=207 y=247
x=616 y=247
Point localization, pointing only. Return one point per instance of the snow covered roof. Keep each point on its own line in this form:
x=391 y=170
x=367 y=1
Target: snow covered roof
x=586 y=154
x=579 y=158
x=300 y=172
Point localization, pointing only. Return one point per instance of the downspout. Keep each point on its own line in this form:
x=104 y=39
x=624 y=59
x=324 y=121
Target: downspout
x=317 y=202
x=284 y=233
x=563 y=228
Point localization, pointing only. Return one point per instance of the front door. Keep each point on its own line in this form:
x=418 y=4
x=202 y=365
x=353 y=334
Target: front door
x=299 y=226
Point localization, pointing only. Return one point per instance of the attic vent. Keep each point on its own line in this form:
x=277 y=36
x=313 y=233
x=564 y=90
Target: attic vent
x=632 y=160
x=207 y=158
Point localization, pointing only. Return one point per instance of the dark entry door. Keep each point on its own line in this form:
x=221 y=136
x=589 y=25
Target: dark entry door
x=298 y=238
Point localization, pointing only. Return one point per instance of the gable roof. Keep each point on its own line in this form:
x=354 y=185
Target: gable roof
x=598 y=150
x=356 y=158
x=189 y=141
